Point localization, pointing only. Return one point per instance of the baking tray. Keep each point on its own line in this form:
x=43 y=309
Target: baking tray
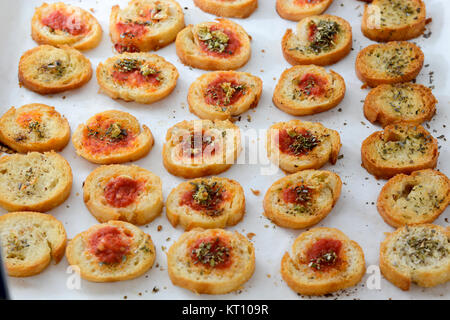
x=355 y=213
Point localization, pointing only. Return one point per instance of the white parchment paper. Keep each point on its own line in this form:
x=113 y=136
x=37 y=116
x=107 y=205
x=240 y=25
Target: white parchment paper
x=355 y=213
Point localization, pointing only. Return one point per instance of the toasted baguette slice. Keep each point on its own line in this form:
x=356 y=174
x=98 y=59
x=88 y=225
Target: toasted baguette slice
x=212 y=261
x=112 y=251
x=34 y=127
x=400 y=148
x=416 y=254
x=221 y=95
x=302 y=199
x=59 y=24
x=47 y=69
x=30 y=240
x=323 y=260
x=305 y=90
x=298 y=145
x=387 y=63
x=418 y=198
x=145 y=25
x=200 y=148
x=140 y=77
x=112 y=136
x=127 y=193
x=218 y=45
x=321 y=40
x=394 y=20
x=34 y=181
x=296 y=10
x=206 y=203
x=229 y=8
x=400 y=102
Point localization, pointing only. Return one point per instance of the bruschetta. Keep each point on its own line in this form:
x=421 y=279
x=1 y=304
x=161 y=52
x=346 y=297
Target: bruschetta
x=112 y=251
x=298 y=145
x=414 y=199
x=30 y=241
x=218 y=45
x=302 y=199
x=145 y=25
x=387 y=63
x=320 y=40
x=34 y=127
x=323 y=260
x=200 y=148
x=399 y=148
x=296 y=10
x=416 y=254
x=308 y=89
x=59 y=24
x=400 y=102
x=206 y=203
x=221 y=95
x=126 y=193
x=34 y=181
x=47 y=69
x=112 y=136
x=212 y=261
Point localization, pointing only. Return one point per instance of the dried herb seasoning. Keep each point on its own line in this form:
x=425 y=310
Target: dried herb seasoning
x=212 y=253
x=216 y=41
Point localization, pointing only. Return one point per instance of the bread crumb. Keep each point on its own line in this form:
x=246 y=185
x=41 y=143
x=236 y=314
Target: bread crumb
x=255 y=192
x=268 y=275
x=159 y=228
x=364 y=86
x=92 y=10
x=250 y=235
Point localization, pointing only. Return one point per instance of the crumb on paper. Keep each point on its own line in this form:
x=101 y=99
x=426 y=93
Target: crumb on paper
x=255 y=192
x=250 y=235
x=159 y=228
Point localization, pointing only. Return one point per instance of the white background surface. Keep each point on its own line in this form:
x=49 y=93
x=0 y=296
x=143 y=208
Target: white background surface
x=355 y=213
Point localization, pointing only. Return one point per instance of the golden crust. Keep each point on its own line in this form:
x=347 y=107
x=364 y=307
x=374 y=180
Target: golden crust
x=296 y=11
x=158 y=23
x=188 y=47
x=400 y=148
x=229 y=212
x=230 y=9
x=249 y=95
x=34 y=181
x=303 y=279
x=139 y=259
x=387 y=63
x=30 y=241
x=296 y=46
x=401 y=102
x=133 y=145
x=386 y=20
x=326 y=149
x=220 y=143
x=86 y=40
x=203 y=279
x=165 y=73
x=47 y=69
x=34 y=127
x=403 y=262
x=323 y=189
x=144 y=209
x=414 y=199
x=288 y=96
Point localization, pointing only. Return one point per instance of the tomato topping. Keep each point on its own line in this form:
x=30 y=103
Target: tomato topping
x=205 y=197
x=135 y=78
x=296 y=141
x=135 y=72
x=312 y=84
x=130 y=30
x=104 y=136
x=324 y=254
x=216 y=46
x=109 y=244
x=25 y=118
x=224 y=92
x=198 y=145
x=122 y=47
x=299 y=194
x=211 y=252
x=58 y=20
x=122 y=191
